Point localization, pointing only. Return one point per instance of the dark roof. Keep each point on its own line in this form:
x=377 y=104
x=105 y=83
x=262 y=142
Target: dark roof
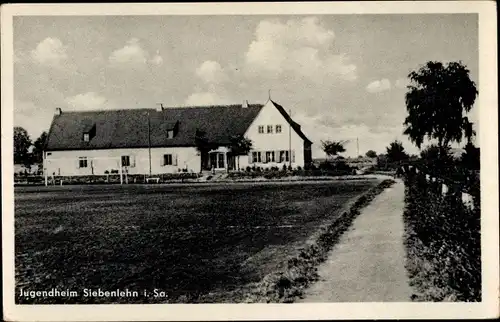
x=294 y=125
x=128 y=128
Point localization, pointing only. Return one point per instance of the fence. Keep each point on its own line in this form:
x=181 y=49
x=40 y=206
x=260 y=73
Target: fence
x=468 y=188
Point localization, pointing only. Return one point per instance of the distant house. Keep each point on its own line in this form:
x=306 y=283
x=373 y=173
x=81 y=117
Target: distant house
x=162 y=140
x=360 y=163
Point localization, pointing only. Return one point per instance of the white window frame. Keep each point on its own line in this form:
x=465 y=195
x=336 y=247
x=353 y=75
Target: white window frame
x=284 y=156
x=278 y=126
x=86 y=137
x=170 y=134
x=166 y=158
x=270 y=156
x=269 y=129
x=84 y=161
x=127 y=157
x=256 y=157
x=261 y=129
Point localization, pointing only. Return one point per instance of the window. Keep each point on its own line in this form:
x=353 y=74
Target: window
x=82 y=162
x=278 y=128
x=167 y=159
x=170 y=134
x=261 y=128
x=256 y=157
x=269 y=156
x=269 y=129
x=86 y=137
x=49 y=153
x=284 y=156
x=125 y=161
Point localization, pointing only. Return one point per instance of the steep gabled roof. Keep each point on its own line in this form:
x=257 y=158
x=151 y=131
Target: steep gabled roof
x=293 y=124
x=128 y=128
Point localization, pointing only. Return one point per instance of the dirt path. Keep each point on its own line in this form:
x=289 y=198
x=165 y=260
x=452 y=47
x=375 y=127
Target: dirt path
x=367 y=265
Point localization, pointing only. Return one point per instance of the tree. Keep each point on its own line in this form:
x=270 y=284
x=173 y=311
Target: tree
x=38 y=148
x=203 y=145
x=239 y=145
x=471 y=157
x=22 y=143
x=436 y=102
x=371 y=154
x=433 y=157
x=332 y=148
x=396 y=152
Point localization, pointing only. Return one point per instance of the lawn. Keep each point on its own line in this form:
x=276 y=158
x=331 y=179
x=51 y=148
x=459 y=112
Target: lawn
x=191 y=242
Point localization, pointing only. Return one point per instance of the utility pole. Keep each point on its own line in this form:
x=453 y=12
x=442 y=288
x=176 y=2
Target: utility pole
x=357 y=145
x=290 y=138
x=149 y=143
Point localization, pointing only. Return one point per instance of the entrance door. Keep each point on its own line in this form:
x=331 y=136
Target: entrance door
x=220 y=164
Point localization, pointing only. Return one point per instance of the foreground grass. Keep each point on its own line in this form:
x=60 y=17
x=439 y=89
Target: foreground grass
x=196 y=244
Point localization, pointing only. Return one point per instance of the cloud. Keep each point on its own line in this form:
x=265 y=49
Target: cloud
x=50 y=52
x=134 y=55
x=211 y=72
x=131 y=53
x=87 y=101
x=26 y=112
x=204 y=99
x=301 y=47
x=379 y=86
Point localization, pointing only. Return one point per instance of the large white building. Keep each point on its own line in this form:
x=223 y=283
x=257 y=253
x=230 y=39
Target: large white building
x=157 y=141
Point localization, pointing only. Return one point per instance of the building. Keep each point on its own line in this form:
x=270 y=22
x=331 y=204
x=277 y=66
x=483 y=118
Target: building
x=361 y=162
x=162 y=140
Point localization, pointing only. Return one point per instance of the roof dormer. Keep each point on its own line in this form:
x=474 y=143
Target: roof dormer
x=89 y=132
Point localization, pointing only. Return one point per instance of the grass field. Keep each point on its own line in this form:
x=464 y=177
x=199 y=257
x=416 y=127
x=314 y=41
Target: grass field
x=185 y=241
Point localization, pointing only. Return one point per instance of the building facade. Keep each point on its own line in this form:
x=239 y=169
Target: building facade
x=164 y=140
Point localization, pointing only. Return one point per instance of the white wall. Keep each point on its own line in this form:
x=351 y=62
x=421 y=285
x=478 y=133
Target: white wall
x=269 y=115
x=66 y=163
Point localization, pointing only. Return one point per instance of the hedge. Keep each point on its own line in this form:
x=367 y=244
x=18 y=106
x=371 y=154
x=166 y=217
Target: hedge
x=442 y=241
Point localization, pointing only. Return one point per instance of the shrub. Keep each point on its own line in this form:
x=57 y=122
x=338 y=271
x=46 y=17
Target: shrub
x=299 y=168
x=106 y=172
x=442 y=239
x=248 y=169
x=284 y=167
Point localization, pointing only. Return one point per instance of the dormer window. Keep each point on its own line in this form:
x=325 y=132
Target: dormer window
x=171 y=129
x=89 y=131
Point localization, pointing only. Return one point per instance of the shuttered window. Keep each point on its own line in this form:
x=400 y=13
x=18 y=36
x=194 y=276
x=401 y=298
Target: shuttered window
x=256 y=157
x=167 y=159
x=125 y=161
x=82 y=162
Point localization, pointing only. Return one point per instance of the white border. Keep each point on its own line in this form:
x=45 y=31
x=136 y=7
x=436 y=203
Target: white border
x=488 y=102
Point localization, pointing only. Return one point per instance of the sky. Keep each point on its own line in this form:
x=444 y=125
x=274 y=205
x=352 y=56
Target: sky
x=342 y=77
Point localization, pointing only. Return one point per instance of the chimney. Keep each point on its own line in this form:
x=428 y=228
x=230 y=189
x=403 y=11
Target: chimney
x=58 y=111
x=159 y=107
x=245 y=104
